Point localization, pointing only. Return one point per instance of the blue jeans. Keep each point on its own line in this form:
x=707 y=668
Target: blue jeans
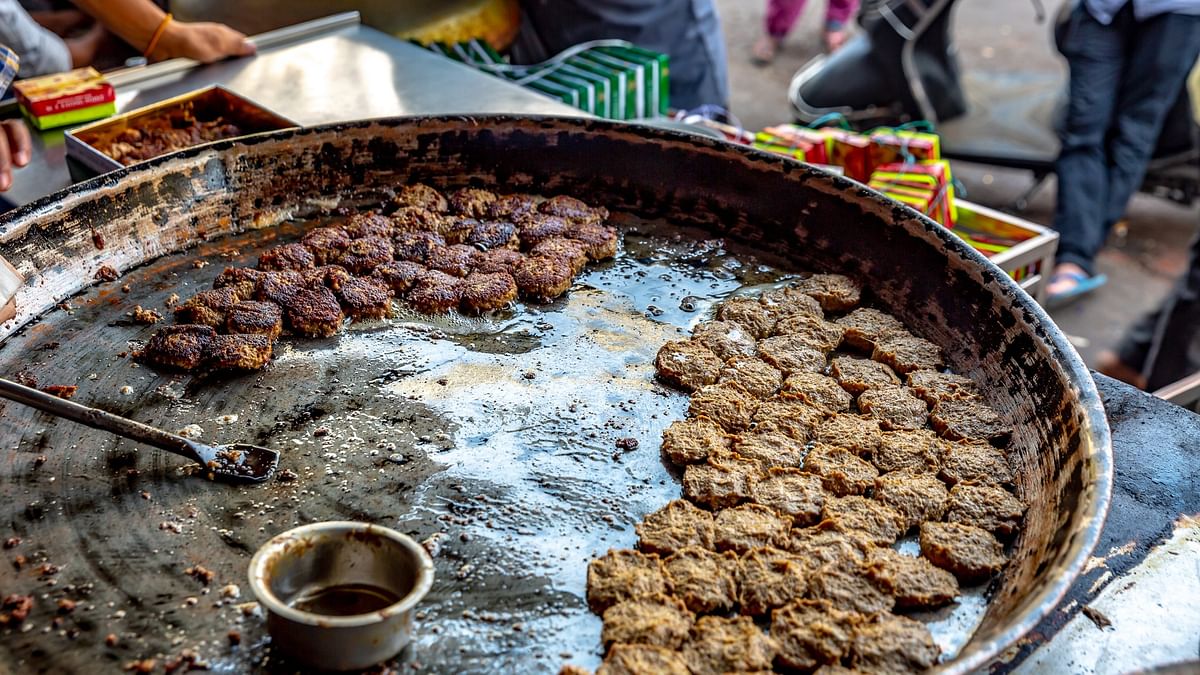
x=1124 y=78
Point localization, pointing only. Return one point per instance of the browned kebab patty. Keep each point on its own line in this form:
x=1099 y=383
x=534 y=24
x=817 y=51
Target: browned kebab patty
x=915 y=449
x=243 y=279
x=856 y=433
x=675 y=526
x=905 y=353
x=970 y=553
x=791 y=492
x=369 y=224
x=812 y=633
x=719 y=645
x=456 y=229
x=573 y=209
x=968 y=419
x=750 y=313
x=873 y=521
x=984 y=506
x=726 y=404
x=823 y=545
x=770 y=449
x=788 y=301
x=974 y=461
x=497 y=260
x=421 y=196
x=865 y=326
x=254 y=317
x=751 y=373
x=209 y=307
x=626 y=659
x=435 y=292
x=726 y=339
x=913 y=581
x=487 y=292
x=687 y=364
x=720 y=483
x=416 y=219
x=491 y=234
x=538 y=227
x=542 y=278
x=453 y=259
x=770 y=578
x=312 y=312
x=917 y=495
x=513 y=207
x=329 y=276
x=835 y=292
x=238 y=352
x=416 y=245
x=842 y=472
x=821 y=335
x=791 y=354
x=847 y=587
x=623 y=575
x=568 y=251
x=365 y=298
x=472 y=202
x=748 y=526
x=788 y=417
x=859 y=375
x=705 y=580
x=326 y=244
x=933 y=386
x=659 y=620
x=819 y=391
x=286 y=257
x=894 y=407
x=886 y=643
x=179 y=347
x=277 y=287
x=694 y=440
x=600 y=241
x=366 y=253
x=399 y=275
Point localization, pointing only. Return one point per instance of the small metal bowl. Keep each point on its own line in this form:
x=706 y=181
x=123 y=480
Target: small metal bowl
x=340 y=595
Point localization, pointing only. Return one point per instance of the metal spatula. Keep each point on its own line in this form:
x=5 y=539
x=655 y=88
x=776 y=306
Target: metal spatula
x=235 y=463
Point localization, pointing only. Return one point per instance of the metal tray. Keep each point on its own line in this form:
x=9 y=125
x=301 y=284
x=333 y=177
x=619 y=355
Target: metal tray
x=83 y=142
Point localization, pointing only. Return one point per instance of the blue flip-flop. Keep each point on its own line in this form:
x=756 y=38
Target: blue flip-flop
x=1084 y=284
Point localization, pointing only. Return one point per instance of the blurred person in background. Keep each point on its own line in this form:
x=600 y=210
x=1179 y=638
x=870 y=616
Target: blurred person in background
x=688 y=31
x=1128 y=61
x=1164 y=345
x=140 y=23
x=15 y=146
x=781 y=17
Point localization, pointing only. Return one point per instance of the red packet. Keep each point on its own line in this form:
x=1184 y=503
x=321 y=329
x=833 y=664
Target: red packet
x=813 y=140
x=851 y=151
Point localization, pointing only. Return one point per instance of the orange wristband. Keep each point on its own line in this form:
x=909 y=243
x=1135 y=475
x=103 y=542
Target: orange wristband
x=158 y=33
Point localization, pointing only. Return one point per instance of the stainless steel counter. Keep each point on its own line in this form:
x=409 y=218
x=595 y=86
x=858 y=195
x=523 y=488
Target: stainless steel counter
x=349 y=73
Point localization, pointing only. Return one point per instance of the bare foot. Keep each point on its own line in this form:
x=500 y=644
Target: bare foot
x=764 y=50
x=1111 y=365
x=835 y=39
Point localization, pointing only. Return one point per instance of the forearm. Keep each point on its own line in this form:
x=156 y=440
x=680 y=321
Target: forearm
x=41 y=51
x=134 y=21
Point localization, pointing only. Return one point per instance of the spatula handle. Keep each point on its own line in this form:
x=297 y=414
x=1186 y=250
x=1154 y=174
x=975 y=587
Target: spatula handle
x=99 y=419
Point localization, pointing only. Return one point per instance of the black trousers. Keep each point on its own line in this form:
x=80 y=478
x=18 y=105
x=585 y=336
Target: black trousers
x=1124 y=78
x=1165 y=344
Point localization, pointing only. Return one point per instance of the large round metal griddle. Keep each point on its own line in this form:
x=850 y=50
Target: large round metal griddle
x=495 y=437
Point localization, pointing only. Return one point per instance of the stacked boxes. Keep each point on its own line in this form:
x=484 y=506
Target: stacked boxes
x=80 y=95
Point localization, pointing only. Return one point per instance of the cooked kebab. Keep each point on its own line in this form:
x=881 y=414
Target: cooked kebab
x=894 y=407
x=209 y=308
x=847 y=587
x=907 y=353
x=369 y=224
x=600 y=241
x=859 y=375
x=542 y=278
x=623 y=575
x=770 y=578
x=179 y=347
x=860 y=435
x=876 y=522
x=625 y=659
x=865 y=326
x=835 y=293
x=573 y=210
x=569 y=251
x=913 y=581
x=471 y=202
x=313 y=312
x=675 y=526
x=792 y=354
x=975 y=461
x=752 y=374
x=813 y=331
x=286 y=257
x=254 y=317
x=770 y=449
x=791 y=492
x=687 y=364
x=892 y=644
x=659 y=620
x=435 y=292
x=750 y=313
x=789 y=417
x=399 y=275
x=748 y=526
x=720 y=483
x=984 y=506
x=968 y=419
x=933 y=386
x=719 y=645
x=726 y=339
x=421 y=196
x=818 y=391
x=705 y=580
x=364 y=298
x=487 y=292
x=917 y=495
x=812 y=633
x=694 y=440
x=915 y=449
x=842 y=472
x=238 y=352
x=726 y=404
x=789 y=301
x=970 y=553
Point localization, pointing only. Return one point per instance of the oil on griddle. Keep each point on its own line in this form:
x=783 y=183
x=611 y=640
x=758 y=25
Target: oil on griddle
x=518 y=445
x=801 y=473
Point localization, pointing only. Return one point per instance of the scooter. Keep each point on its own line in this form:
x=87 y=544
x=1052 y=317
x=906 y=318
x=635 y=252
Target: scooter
x=903 y=66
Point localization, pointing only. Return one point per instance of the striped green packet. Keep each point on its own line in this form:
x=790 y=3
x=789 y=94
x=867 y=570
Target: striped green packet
x=585 y=89
x=633 y=76
x=555 y=91
x=600 y=85
x=615 y=89
x=652 y=72
x=660 y=72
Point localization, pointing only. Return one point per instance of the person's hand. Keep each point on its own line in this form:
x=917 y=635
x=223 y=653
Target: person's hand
x=16 y=149
x=201 y=41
